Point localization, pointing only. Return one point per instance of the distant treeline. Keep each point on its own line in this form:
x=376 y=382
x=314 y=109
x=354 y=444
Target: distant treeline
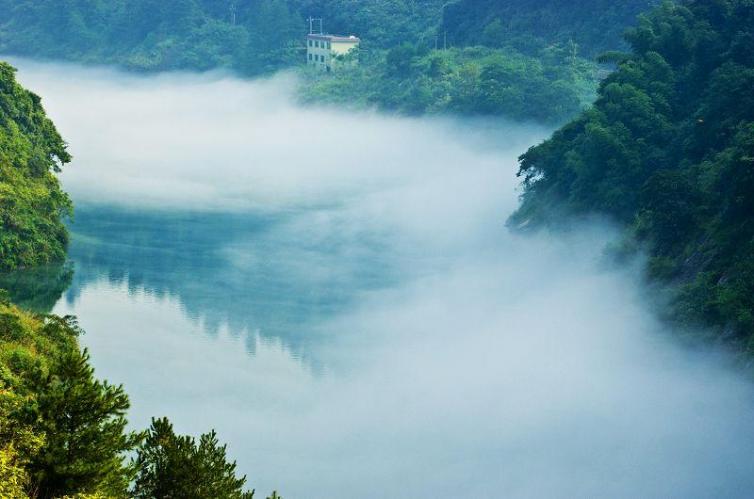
x=667 y=150
x=249 y=36
x=593 y=26
x=550 y=87
x=519 y=59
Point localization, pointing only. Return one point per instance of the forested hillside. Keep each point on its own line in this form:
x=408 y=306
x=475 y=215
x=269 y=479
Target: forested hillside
x=518 y=59
x=153 y=35
x=593 y=25
x=668 y=151
x=550 y=87
x=255 y=36
x=504 y=58
x=249 y=36
x=31 y=201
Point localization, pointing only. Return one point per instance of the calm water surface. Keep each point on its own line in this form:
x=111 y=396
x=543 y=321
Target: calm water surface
x=338 y=296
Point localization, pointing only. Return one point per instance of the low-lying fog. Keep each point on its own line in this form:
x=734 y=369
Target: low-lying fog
x=483 y=364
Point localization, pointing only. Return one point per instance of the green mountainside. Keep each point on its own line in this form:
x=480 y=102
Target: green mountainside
x=516 y=59
x=667 y=151
x=31 y=201
x=594 y=26
x=550 y=87
x=249 y=36
x=522 y=68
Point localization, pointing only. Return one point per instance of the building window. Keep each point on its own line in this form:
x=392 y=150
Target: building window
x=328 y=45
x=310 y=57
x=310 y=43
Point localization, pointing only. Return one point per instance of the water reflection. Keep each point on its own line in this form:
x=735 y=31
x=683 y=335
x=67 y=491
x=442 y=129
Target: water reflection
x=264 y=277
x=39 y=288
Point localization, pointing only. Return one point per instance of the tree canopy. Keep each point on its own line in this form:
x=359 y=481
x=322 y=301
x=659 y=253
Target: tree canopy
x=249 y=36
x=173 y=466
x=530 y=25
x=506 y=58
x=551 y=87
x=32 y=204
x=63 y=432
x=667 y=151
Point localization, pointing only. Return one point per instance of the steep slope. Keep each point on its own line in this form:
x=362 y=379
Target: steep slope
x=593 y=25
x=250 y=36
x=31 y=201
x=256 y=36
x=667 y=151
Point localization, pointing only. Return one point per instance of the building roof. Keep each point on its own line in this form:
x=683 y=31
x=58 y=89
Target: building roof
x=335 y=38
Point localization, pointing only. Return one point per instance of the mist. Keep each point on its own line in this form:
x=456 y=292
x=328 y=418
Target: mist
x=475 y=362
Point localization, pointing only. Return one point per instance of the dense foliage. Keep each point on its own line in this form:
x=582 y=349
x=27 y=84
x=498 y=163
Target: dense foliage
x=551 y=87
x=37 y=289
x=528 y=68
x=667 y=150
x=261 y=35
x=63 y=432
x=528 y=25
x=381 y=24
x=177 y=466
x=518 y=59
x=249 y=36
x=31 y=201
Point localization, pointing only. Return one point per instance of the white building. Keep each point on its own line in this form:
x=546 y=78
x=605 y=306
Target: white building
x=326 y=52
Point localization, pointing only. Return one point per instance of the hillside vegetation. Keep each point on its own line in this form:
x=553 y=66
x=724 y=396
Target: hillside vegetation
x=667 y=150
x=550 y=88
x=594 y=26
x=518 y=59
x=63 y=432
x=32 y=204
x=534 y=64
x=248 y=36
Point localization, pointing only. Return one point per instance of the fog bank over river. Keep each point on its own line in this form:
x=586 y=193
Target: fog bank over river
x=336 y=293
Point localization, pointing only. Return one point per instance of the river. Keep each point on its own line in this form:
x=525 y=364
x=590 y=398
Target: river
x=336 y=293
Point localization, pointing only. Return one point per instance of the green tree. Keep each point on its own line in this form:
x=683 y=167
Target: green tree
x=62 y=432
x=667 y=151
x=32 y=204
x=174 y=466
x=399 y=59
x=84 y=423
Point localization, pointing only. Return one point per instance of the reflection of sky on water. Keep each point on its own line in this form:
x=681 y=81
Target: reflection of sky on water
x=267 y=278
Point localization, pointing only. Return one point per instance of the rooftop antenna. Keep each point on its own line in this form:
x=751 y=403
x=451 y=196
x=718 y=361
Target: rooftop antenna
x=312 y=23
